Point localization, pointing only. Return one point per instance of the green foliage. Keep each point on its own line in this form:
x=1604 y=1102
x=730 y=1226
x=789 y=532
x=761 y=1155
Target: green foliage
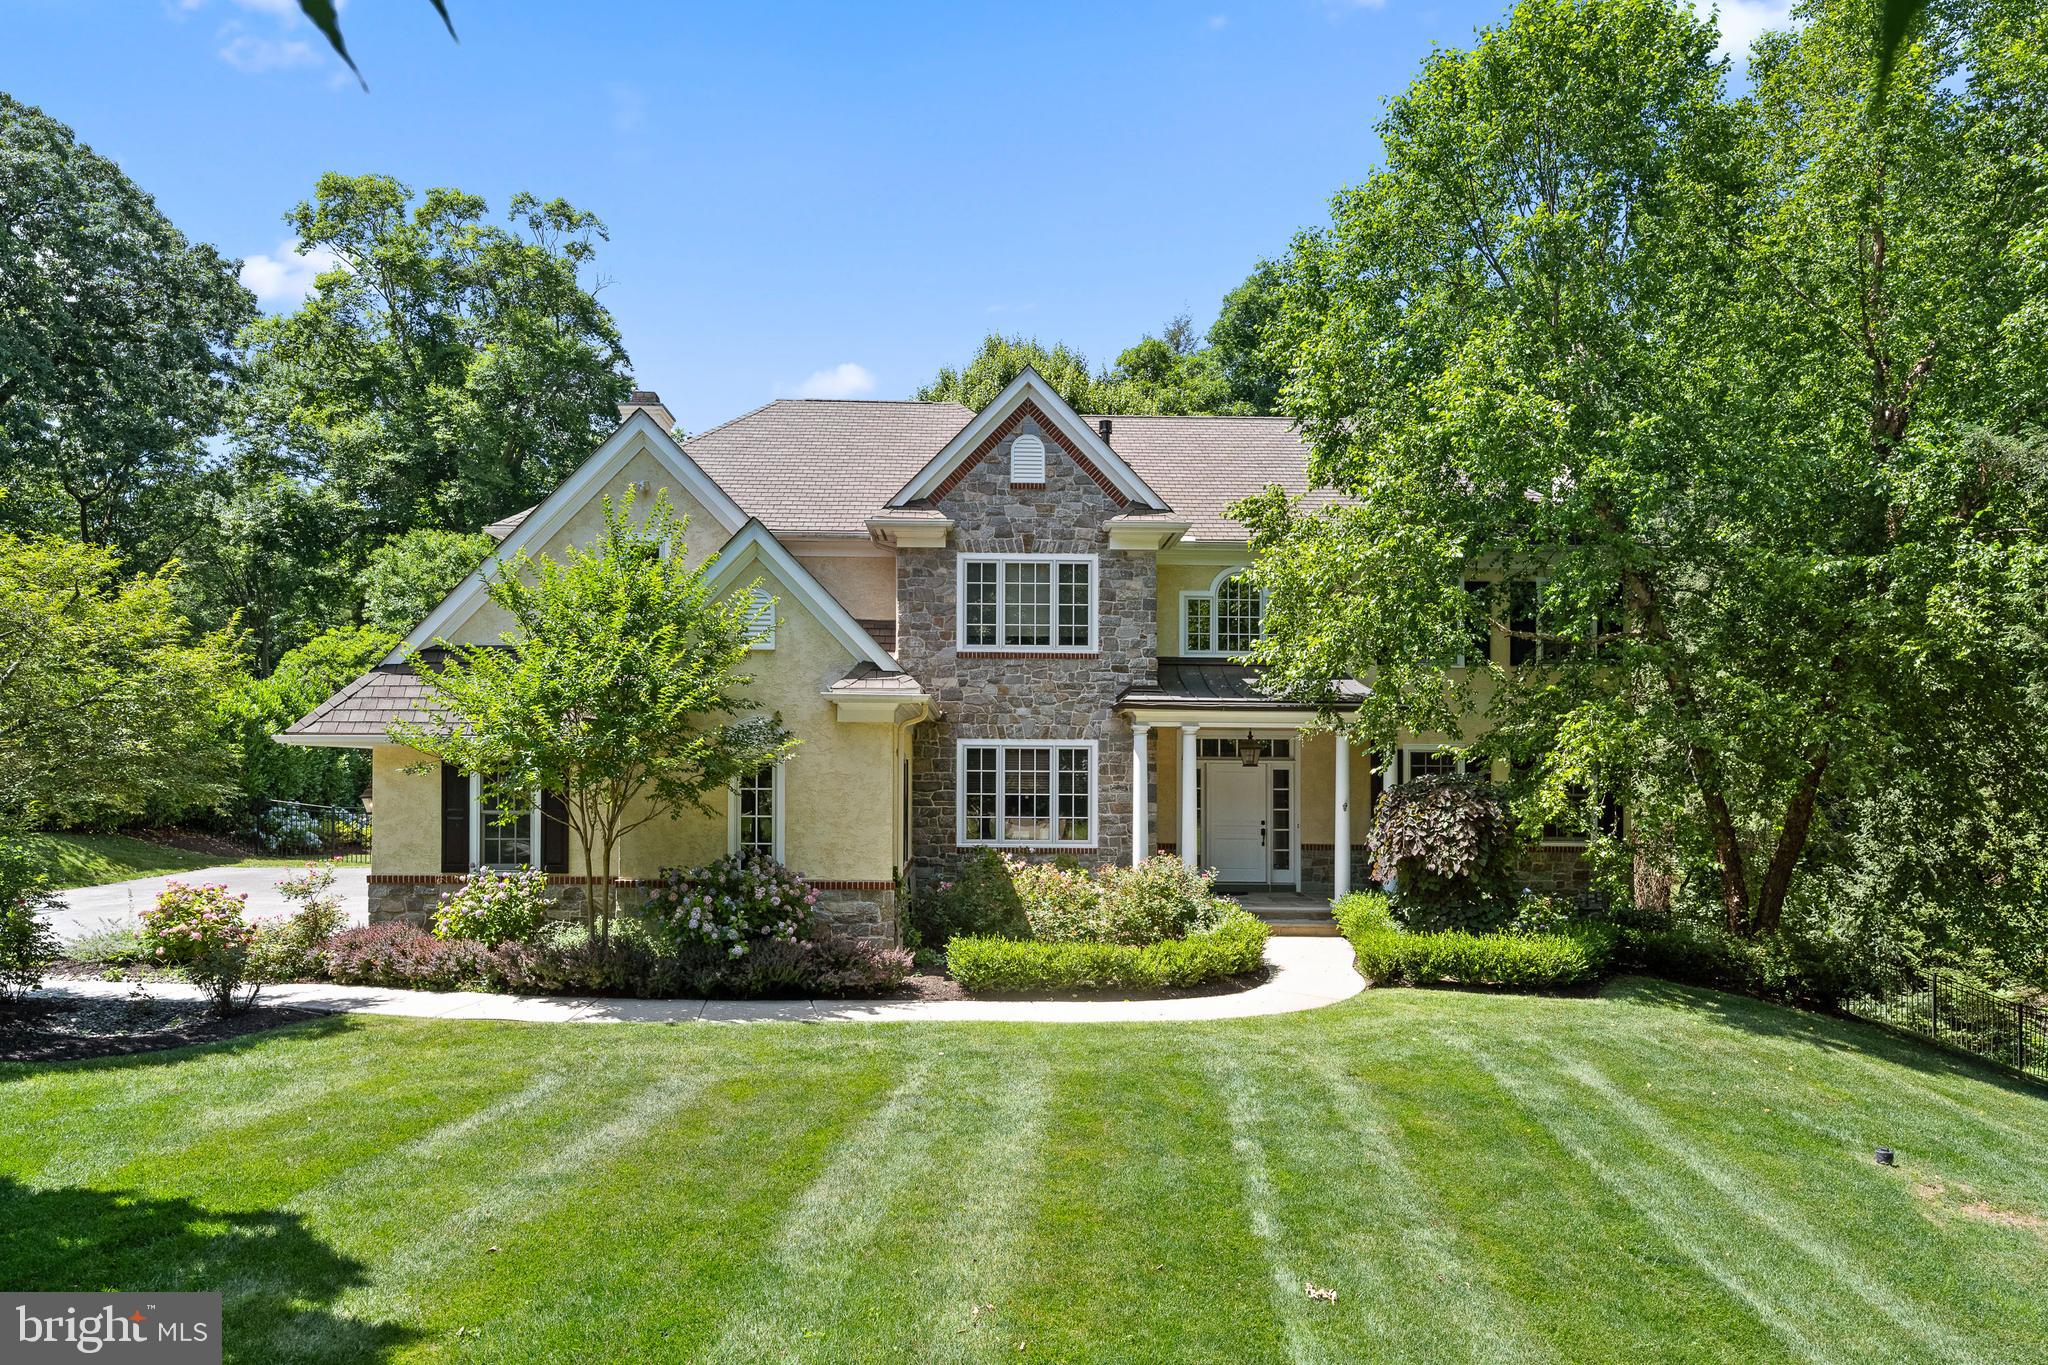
x=202 y=931
x=1450 y=846
x=620 y=691
x=407 y=576
x=981 y=901
x=494 y=907
x=734 y=905
x=114 y=347
x=1716 y=369
x=1234 y=947
x=109 y=701
x=1001 y=359
x=302 y=680
x=1387 y=956
x=27 y=944
x=289 y=948
x=1797 y=968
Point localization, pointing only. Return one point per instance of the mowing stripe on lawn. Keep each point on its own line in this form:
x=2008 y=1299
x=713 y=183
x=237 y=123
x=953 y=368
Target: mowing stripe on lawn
x=1752 y=1198
x=1741 y=1265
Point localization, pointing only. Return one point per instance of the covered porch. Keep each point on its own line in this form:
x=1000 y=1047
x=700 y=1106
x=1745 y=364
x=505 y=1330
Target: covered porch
x=1227 y=781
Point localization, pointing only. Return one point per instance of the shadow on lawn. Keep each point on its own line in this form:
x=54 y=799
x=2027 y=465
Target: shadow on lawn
x=276 y=1277
x=1837 y=1032
x=282 y=1035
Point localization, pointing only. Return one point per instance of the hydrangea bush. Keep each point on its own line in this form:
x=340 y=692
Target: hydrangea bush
x=732 y=904
x=202 y=929
x=494 y=907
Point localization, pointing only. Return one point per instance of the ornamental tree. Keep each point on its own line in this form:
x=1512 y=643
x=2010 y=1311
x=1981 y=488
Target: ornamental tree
x=617 y=686
x=1735 y=390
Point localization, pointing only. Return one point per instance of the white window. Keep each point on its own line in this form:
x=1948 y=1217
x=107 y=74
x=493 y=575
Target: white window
x=1222 y=619
x=754 y=827
x=1027 y=602
x=1027 y=459
x=1041 y=795
x=1429 y=760
x=502 y=837
x=761 y=620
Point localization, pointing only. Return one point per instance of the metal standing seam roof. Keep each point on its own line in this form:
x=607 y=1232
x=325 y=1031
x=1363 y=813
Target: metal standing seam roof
x=1222 y=684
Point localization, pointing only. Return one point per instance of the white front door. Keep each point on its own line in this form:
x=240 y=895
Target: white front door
x=1234 y=816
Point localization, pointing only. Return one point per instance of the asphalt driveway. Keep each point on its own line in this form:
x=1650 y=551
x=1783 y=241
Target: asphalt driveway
x=89 y=906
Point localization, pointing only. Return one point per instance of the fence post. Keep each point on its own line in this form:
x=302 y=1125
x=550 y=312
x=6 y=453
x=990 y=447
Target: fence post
x=1934 y=1002
x=2019 y=1034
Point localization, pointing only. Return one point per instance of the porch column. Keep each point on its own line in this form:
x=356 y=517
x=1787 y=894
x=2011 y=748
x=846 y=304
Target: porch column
x=1187 y=795
x=1140 y=793
x=1343 y=803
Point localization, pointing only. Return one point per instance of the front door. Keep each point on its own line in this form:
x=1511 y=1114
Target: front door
x=1234 y=801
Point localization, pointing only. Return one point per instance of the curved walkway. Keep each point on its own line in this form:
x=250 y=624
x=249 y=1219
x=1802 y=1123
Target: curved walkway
x=1308 y=973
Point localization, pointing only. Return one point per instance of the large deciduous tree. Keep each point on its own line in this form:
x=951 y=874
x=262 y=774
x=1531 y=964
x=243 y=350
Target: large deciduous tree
x=115 y=336
x=618 y=686
x=449 y=370
x=1738 y=387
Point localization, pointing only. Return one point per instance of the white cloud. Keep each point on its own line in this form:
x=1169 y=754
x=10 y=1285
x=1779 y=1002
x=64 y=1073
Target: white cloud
x=841 y=381
x=247 y=52
x=284 y=280
x=1742 y=20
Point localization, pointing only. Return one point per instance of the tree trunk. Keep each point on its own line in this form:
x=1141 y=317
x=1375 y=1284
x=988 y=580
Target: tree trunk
x=1770 y=902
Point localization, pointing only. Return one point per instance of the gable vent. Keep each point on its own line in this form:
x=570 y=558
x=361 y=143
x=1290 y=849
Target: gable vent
x=1027 y=459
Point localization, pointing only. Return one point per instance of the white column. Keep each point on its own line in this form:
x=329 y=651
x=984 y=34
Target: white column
x=1343 y=803
x=1140 y=794
x=1187 y=795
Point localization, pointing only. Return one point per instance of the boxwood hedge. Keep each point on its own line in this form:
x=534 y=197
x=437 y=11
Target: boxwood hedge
x=1389 y=956
x=985 y=966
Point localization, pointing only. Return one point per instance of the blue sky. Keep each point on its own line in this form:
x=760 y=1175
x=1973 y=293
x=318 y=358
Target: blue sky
x=832 y=198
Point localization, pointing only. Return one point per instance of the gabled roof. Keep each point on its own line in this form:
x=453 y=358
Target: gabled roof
x=362 y=712
x=1028 y=388
x=637 y=434
x=1204 y=464
x=754 y=545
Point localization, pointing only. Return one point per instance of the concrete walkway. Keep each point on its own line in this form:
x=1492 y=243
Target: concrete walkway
x=1308 y=973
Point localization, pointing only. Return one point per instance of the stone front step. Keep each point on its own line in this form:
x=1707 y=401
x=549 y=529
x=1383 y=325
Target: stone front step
x=1294 y=916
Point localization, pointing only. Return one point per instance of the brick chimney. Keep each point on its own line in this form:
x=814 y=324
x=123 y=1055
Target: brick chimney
x=649 y=402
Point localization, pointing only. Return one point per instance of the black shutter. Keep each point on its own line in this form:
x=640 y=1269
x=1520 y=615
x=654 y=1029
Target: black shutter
x=454 y=819
x=554 y=833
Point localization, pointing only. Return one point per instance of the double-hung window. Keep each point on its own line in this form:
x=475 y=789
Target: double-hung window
x=755 y=829
x=1027 y=602
x=503 y=835
x=1222 y=619
x=1027 y=794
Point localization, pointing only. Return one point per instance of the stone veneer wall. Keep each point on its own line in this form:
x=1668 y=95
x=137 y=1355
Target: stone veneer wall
x=1023 y=696
x=860 y=910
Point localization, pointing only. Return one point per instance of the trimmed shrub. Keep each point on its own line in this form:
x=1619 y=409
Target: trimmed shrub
x=1449 y=845
x=1798 y=969
x=401 y=956
x=1161 y=898
x=494 y=907
x=980 y=902
x=1234 y=947
x=733 y=905
x=1387 y=956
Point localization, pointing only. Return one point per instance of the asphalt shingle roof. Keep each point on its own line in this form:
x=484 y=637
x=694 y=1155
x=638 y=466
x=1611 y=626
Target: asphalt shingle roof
x=364 y=708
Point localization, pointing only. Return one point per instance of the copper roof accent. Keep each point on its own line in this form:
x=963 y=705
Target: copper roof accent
x=1219 y=683
x=865 y=679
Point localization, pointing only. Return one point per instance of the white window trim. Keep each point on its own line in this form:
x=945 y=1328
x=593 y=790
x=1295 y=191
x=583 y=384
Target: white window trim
x=760 y=602
x=1209 y=593
x=1002 y=562
x=1407 y=749
x=1000 y=746
x=781 y=814
x=476 y=831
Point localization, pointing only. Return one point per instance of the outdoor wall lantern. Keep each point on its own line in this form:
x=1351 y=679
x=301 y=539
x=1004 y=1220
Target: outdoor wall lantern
x=1248 y=750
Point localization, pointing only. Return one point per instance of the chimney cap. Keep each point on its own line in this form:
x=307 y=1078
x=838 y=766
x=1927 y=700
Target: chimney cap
x=1102 y=427
x=643 y=398
x=649 y=402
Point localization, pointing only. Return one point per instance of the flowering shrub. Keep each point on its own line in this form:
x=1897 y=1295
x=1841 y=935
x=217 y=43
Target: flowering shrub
x=1062 y=904
x=202 y=929
x=494 y=907
x=732 y=904
x=284 y=830
x=288 y=947
x=981 y=900
x=1159 y=899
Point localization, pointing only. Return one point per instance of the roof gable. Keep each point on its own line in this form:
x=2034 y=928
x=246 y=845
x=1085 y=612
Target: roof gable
x=638 y=434
x=1028 y=395
x=754 y=545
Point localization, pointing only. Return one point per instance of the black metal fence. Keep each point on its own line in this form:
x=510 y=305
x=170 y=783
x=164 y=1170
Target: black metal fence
x=1951 y=1011
x=291 y=828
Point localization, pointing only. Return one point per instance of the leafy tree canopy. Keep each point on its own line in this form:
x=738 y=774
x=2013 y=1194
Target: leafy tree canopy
x=115 y=337
x=1732 y=383
x=408 y=575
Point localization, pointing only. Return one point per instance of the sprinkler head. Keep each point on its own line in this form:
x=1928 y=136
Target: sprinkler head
x=1884 y=1156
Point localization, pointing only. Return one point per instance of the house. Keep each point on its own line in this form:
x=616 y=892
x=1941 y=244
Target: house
x=1009 y=629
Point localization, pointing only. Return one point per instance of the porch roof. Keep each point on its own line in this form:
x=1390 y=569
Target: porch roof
x=1219 y=684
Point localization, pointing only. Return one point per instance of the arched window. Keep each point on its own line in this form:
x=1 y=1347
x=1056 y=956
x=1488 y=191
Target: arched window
x=1222 y=619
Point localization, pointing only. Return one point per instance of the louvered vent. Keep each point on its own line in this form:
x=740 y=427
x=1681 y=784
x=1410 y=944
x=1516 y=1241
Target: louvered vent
x=1027 y=460
x=761 y=620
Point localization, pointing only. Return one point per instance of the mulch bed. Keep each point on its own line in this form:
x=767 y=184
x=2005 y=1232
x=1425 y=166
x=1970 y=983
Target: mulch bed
x=77 y=1029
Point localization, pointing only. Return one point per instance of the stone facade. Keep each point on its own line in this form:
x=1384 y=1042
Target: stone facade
x=1023 y=696
x=1319 y=869
x=862 y=911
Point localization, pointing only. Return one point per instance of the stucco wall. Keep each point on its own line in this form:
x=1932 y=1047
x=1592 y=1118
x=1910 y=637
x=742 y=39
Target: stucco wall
x=405 y=810
x=1176 y=578
x=865 y=584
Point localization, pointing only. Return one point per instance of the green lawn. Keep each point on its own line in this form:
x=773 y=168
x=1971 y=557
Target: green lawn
x=97 y=859
x=1656 y=1173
